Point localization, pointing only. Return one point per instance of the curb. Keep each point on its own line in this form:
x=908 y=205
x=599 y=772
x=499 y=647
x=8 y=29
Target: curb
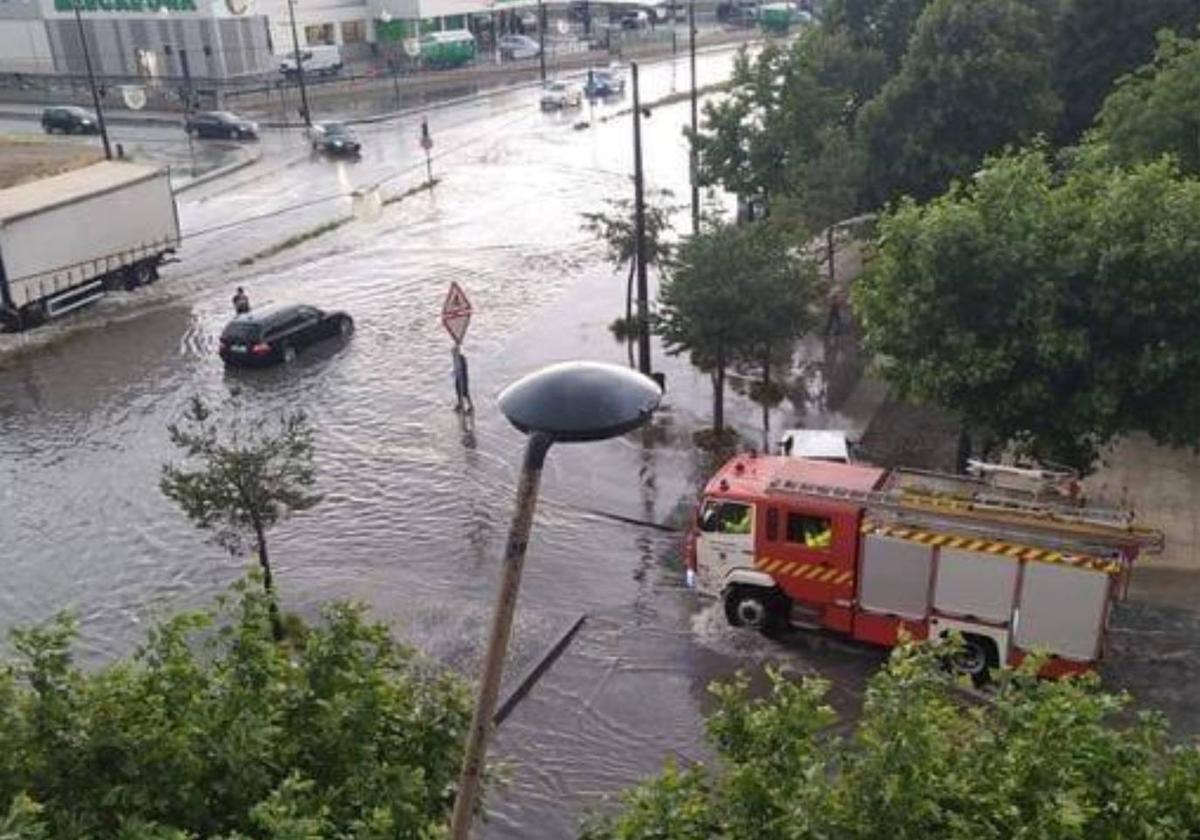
x=220 y=172
x=116 y=118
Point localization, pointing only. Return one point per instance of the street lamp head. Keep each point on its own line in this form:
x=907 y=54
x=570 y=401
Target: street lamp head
x=573 y=402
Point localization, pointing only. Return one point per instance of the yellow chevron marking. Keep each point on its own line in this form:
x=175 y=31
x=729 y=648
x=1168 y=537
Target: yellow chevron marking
x=1014 y=551
x=844 y=577
x=812 y=572
x=940 y=539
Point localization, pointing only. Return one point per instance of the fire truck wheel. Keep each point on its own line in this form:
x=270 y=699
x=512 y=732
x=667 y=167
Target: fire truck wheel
x=754 y=607
x=977 y=656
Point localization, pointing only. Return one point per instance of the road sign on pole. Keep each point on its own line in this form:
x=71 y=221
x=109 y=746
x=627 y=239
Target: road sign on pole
x=456 y=312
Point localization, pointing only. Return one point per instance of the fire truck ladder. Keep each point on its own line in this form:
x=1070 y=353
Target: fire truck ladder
x=1095 y=526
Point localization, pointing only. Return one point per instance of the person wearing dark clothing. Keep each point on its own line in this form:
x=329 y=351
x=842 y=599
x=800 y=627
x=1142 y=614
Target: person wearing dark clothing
x=241 y=302
x=462 y=384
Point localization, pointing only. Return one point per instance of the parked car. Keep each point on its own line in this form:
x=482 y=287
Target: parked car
x=335 y=138
x=221 y=124
x=603 y=82
x=69 y=119
x=320 y=60
x=558 y=95
x=276 y=334
x=518 y=46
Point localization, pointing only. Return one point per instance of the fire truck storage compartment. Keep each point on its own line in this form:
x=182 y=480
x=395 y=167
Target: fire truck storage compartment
x=974 y=584
x=895 y=576
x=1062 y=610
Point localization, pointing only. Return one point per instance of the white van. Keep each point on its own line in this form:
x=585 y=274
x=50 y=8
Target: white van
x=320 y=60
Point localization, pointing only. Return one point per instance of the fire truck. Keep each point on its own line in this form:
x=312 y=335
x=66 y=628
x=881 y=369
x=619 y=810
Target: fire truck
x=873 y=553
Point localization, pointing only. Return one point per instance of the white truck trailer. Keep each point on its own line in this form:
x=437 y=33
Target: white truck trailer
x=67 y=239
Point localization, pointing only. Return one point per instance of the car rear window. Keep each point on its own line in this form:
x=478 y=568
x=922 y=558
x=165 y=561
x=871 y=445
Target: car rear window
x=242 y=331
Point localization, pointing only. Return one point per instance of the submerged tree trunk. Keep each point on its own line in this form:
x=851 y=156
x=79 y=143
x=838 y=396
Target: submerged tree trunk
x=268 y=583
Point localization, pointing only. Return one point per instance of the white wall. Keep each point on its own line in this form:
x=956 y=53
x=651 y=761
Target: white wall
x=24 y=47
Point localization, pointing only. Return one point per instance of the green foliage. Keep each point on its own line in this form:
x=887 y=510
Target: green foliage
x=882 y=25
x=1098 y=42
x=784 y=110
x=616 y=227
x=975 y=79
x=733 y=294
x=211 y=730
x=1054 y=309
x=1042 y=760
x=1153 y=112
x=249 y=472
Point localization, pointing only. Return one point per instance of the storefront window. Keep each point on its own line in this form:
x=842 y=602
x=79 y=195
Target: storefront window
x=354 y=31
x=319 y=33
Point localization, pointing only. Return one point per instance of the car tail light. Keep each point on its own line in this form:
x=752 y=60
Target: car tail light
x=261 y=349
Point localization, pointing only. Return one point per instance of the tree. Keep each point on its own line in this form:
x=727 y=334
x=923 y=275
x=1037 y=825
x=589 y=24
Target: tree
x=248 y=474
x=734 y=293
x=1098 y=41
x=1050 y=308
x=783 y=106
x=1153 y=111
x=1046 y=759
x=617 y=229
x=975 y=79
x=211 y=730
x=883 y=25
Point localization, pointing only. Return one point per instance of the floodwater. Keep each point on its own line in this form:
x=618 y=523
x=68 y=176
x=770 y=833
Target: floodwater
x=416 y=505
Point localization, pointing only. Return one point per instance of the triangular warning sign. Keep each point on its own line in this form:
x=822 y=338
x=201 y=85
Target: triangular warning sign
x=456 y=301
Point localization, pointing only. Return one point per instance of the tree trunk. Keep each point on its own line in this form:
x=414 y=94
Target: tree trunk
x=268 y=583
x=831 y=252
x=719 y=394
x=630 y=333
x=629 y=293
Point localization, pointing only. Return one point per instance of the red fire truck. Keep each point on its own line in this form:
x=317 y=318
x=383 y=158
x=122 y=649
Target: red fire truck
x=870 y=552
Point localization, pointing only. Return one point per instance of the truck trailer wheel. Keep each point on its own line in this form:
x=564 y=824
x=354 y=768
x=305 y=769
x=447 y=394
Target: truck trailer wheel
x=757 y=608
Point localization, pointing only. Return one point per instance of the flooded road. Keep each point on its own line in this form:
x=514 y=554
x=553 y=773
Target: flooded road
x=416 y=505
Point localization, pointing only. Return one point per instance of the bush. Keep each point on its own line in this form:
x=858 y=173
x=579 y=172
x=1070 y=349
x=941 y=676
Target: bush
x=1041 y=760
x=213 y=730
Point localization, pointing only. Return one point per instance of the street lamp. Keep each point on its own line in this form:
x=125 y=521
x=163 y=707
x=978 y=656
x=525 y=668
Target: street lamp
x=694 y=165
x=639 y=211
x=573 y=402
x=87 y=61
x=299 y=64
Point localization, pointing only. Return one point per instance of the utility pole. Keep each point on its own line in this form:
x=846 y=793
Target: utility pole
x=87 y=61
x=639 y=205
x=692 y=158
x=299 y=65
x=542 y=38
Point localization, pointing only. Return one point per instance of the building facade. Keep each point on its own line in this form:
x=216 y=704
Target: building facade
x=146 y=40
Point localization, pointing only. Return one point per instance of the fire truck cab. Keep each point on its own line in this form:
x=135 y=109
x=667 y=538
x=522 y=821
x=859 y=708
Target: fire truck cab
x=871 y=553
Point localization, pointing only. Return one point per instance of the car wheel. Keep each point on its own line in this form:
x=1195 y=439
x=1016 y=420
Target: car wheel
x=289 y=354
x=975 y=659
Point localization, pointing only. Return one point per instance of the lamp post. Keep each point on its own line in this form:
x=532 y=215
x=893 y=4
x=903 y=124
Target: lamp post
x=573 y=402
x=87 y=61
x=542 y=38
x=694 y=164
x=299 y=65
x=639 y=211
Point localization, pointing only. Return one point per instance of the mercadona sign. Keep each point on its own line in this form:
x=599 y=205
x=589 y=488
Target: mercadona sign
x=125 y=5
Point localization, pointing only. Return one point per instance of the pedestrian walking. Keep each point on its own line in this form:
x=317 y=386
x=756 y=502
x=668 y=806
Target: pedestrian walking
x=462 y=382
x=241 y=301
